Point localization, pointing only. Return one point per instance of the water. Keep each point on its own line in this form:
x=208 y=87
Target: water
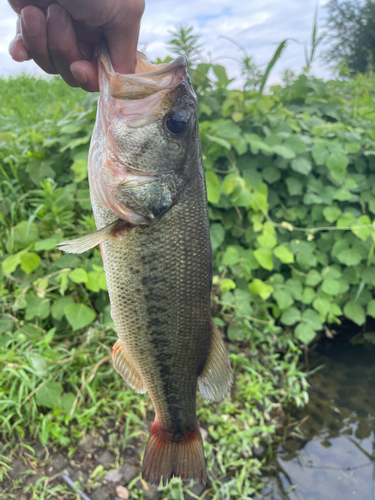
x=333 y=457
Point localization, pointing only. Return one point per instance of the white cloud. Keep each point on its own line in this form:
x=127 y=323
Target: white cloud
x=259 y=26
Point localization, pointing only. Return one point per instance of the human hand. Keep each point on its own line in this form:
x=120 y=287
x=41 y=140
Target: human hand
x=60 y=36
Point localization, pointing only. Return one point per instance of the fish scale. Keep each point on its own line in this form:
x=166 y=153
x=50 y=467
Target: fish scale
x=150 y=206
x=163 y=316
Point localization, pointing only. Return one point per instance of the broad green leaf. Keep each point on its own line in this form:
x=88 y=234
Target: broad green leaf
x=352 y=147
x=342 y=195
x=283 y=299
x=242 y=199
x=323 y=306
x=305 y=333
x=267 y=240
x=284 y=151
x=92 y=282
x=29 y=262
x=25 y=233
x=79 y=168
x=355 y=312
x=264 y=257
x=371 y=308
x=331 y=214
x=78 y=275
x=220 y=141
x=217 y=233
x=349 y=257
x=231 y=256
x=308 y=295
x=37 y=363
x=221 y=75
x=301 y=165
x=11 y=263
x=59 y=305
x=347 y=220
x=258 y=287
x=103 y=281
x=296 y=144
x=268 y=228
x=227 y=284
x=47 y=244
x=71 y=128
x=67 y=402
x=236 y=332
x=362 y=232
x=49 y=395
x=311 y=317
x=271 y=174
x=337 y=165
x=260 y=198
x=331 y=287
x=295 y=187
x=320 y=154
x=228 y=130
x=291 y=316
x=294 y=287
x=37 y=307
x=213 y=187
x=79 y=315
x=243 y=298
x=283 y=254
x=257 y=144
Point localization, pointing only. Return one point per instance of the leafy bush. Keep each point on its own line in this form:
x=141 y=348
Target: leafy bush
x=290 y=183
x=56 y=333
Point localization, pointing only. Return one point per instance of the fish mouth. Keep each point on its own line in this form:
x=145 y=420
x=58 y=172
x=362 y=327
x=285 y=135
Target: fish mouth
x=128 y=102
x=148 y=79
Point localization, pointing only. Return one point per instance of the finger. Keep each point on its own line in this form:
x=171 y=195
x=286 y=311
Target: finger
x=86 y=33
x=85 y=50
x=86 y=75
x=122 y=36
x=17 y=51
x=16 y=48
x=62 y=42
x=34 y=37
x=18 y=5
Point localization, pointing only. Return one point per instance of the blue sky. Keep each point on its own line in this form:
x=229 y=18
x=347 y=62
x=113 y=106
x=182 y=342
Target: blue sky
x=258 y=25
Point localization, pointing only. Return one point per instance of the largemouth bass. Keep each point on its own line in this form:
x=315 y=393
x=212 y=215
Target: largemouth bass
x=149 y=201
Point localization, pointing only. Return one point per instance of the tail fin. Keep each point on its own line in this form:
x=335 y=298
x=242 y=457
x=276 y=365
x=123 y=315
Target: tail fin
x=166 y=457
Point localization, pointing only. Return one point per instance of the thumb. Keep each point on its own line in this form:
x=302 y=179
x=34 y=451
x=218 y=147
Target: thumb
x=122 y=38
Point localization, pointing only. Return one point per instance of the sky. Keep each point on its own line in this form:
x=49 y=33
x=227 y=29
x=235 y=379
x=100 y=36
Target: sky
x=258 y=25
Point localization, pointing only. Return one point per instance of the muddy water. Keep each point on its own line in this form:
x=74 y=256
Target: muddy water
x=332 y=455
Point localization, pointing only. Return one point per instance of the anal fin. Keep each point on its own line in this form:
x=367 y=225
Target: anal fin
x=216 y=378
x=126 y=369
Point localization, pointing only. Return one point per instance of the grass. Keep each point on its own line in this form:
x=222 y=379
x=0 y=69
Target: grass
x=27 y=99
x=57 y=382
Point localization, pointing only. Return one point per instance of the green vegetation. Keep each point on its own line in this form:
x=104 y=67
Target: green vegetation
x=289 y=177
x=56 y=334
x=350 y=28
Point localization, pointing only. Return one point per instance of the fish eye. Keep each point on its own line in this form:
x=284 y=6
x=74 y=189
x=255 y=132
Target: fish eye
x=177 y=122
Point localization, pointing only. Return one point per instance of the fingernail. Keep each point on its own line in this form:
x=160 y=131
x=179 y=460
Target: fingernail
x=79 y=75
x=31 y=23
x=56 y=17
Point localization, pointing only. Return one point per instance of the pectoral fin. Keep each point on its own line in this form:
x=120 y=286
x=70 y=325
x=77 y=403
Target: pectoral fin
x=85 y=243
x=126 y=369
x=216 y=378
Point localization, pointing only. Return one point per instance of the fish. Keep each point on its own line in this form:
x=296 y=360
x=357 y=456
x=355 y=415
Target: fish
x=149 y=200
